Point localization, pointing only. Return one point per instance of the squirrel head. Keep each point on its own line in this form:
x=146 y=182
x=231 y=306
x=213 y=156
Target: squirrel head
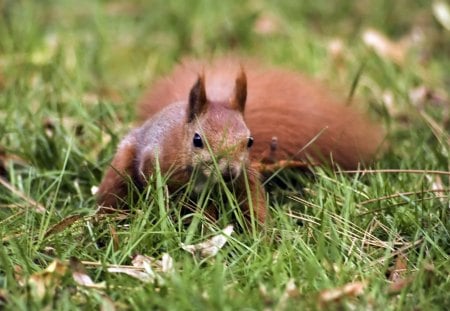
x=216 y=133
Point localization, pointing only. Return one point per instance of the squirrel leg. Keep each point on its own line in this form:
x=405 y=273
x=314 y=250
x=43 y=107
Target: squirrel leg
x=114 y=187
x=255 y=203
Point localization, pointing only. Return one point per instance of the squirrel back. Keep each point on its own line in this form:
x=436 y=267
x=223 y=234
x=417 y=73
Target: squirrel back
x=290 y=116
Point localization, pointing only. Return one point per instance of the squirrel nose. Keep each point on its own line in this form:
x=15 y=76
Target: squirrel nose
x=229 y=174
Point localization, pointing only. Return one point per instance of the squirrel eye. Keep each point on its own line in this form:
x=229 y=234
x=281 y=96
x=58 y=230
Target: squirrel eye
x=197 y=141
x=250 y=142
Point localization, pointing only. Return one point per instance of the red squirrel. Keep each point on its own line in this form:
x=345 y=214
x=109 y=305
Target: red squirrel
x=201 y=134
x=185 y=113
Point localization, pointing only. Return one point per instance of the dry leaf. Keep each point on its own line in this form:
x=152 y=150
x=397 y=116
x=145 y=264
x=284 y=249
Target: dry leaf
x=349 y=290
x=399 y=285
x=400 y=268
x=150 y=264
x=397 y=275
x=144 y=268
x=211 y=247
x=47 y=280
x=140 y=260
x=81 y=277
x=144 y=262
x=384 y=47
x=167 y=264
x=107 y=304
x=133 y=272
x=18 y=275
x=63 y=224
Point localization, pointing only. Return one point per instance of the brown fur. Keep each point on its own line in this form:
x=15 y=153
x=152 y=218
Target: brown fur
x=285 y=111
x=167 y=140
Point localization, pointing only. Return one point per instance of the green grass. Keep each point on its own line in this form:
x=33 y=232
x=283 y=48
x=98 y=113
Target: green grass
x=70 y=75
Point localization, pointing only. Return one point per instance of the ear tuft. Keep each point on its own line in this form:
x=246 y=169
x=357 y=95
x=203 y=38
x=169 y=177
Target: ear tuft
x=240 y=92
x=197 y=99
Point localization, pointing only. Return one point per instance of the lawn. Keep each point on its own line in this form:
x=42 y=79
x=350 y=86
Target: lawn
x=71 y=73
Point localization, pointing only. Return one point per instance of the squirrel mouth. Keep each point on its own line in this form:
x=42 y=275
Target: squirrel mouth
x=230 y=174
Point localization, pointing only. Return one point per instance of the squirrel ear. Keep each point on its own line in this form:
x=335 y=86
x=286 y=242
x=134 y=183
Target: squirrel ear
x=240 y=92
x=197 y=99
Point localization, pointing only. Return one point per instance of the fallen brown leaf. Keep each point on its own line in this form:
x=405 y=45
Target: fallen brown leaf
x=211 y=247
x=143 y=261
x=398 y=274
x=398 y=285
x=47 y=280
x=133 y=272
x=107 y=304
x=80 y=275
x=18 y=275
x=167 y=263
x=144 y=268
x=400 y=268
x=349 y=290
